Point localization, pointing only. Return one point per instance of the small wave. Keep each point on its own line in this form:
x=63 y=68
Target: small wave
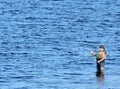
x=73 y=74
x=22 y=77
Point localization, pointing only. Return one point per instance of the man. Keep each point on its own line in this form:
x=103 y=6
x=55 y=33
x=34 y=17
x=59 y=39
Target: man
x=100 y=60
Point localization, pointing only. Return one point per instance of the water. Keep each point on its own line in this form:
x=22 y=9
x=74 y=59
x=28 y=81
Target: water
x=45 y=44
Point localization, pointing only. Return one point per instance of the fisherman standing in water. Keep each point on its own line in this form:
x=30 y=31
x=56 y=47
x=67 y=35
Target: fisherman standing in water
x=100 y=60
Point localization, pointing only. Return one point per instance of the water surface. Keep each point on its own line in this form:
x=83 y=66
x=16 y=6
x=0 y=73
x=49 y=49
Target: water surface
x=45 y=44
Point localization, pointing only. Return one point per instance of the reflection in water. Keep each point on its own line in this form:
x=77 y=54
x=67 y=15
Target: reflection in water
x=100 y=81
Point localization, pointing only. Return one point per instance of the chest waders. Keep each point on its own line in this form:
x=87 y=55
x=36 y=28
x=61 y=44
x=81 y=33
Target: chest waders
x=100 y=66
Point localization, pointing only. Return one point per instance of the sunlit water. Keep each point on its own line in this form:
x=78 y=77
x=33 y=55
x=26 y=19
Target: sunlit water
x=45 y=44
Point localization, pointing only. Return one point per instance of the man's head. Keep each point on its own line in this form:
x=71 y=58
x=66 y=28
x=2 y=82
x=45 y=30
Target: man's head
x=101 y=47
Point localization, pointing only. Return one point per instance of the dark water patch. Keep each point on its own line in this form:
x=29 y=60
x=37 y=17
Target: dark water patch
x=3 y=77
x=13 y=53
x=28 y=25
x=3 y=27
x=3 y=81
x=30 y=18
x=22 y=77
x=117 y=33
x=5 y=2
x=106 y=24
x=23 y=88
x=4 y=54
x=108 y=63
x=56 y=75
x=8 y=68
x=111 y=59
x=13 y=12
x=86 y=63
x=67 y=78
x=76 y=82
x=73 y=54
x=4 y=43
x=82 y=20
x=69 y=54
x=33 y=19
x=17 y=47
x=57 y=48
x=117 y=56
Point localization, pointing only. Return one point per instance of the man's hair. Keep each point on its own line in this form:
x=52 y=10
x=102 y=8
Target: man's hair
x=102 y=46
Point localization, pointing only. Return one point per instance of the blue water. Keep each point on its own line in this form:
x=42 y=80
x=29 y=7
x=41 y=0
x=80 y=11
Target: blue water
x=45 y=44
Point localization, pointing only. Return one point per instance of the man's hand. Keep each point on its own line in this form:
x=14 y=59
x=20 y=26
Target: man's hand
x=91 y=52
x=98 y=61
